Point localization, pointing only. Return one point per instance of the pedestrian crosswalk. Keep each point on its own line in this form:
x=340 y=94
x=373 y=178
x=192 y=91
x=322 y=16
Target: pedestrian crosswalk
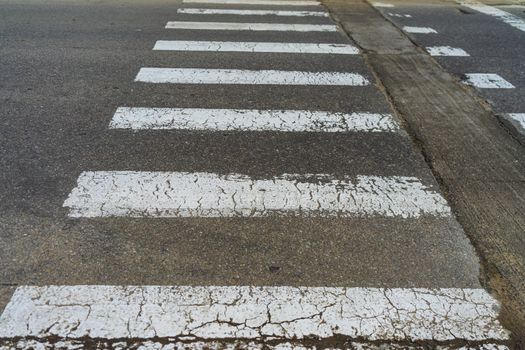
x=246 y=316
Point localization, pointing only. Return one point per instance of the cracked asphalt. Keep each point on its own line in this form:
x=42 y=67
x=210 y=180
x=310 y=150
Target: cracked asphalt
x=67 y=67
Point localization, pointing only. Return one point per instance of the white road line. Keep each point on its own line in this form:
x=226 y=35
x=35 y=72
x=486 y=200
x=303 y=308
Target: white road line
x=251 y=313
x=199 y=11
x=446 y=51
x=257 y=2
x=267 y=47
x=275 y=27
x=487 y=81
x=518 y=118
x=228 y=344
x=382 y=4
x=179 y=194
x=252 y=77
x=400 y=15
x=504 y=16
x=419 y=30
x=139 y=118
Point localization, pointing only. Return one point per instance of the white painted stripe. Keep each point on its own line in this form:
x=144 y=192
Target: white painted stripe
x=178 y=194
x=504 y=16
x=259 y=77
x=381 y=4
x=199 y=11
x=268 y=47
x=274 y=27
x=399 y=15
x=446 y=51
x=139 y=118
x=172 y=344
x=419 y=30
x=518 y=119
x=487 y=81
x=257 y=2
x=251 y=313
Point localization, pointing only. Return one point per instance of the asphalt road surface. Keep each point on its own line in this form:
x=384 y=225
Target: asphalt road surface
x=171 y=179
x=481 y=44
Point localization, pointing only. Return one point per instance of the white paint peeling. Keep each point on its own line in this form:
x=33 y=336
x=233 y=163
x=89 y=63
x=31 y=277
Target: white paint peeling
x=487 y=81
x=180 y=194
x=419 y=30
x=446 y=51
x=382 y=4
x=256 y=2
x=267 y=47
x=250 y=77
x=140 y=118
x=272 y=27
x=170 y=344
x=504 y=16
x=202 y=11
x=251 y=313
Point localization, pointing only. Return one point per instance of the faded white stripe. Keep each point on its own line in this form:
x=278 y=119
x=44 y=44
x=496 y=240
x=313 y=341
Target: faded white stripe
x=270 y=47
x=504 y=16
x=251 y=313
x=178 y=194
x=274 y=27
x=400 y=15
x=381 y=4
x=198 y=11
x=257 y=2
x=419 y=30
x=446 y=51
x=255 y=77
x=487 y=81
x=139 y=118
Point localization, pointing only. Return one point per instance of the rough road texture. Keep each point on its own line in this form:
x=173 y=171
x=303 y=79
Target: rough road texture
x=478 y=164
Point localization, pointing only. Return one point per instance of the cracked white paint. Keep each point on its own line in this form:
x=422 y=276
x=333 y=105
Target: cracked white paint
x=419 y=30
x=251 y=313
x=269 y=47
x=250 y=77
x=202 y=11
x=167 y=344
x=487 y=81
x=257 y=2
x=140 y=118
x=504 y=16
x=446 y=51
x=179 y=194
x=279 y=27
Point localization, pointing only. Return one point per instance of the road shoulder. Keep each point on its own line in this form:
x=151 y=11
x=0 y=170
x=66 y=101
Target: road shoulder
x=481 y=169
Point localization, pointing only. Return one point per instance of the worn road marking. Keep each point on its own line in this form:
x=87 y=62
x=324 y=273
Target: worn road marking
x=487 y=81
x=199 y=11
x=275 y=27
x=256 y=77
x=504 y=16
x=251 y=313
x=179 y=194
x=139 y=118
x=419 y=30
x=270 y=47
x=446 y=51
x=400 y=15
x=257 y=2
x=381 y=4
